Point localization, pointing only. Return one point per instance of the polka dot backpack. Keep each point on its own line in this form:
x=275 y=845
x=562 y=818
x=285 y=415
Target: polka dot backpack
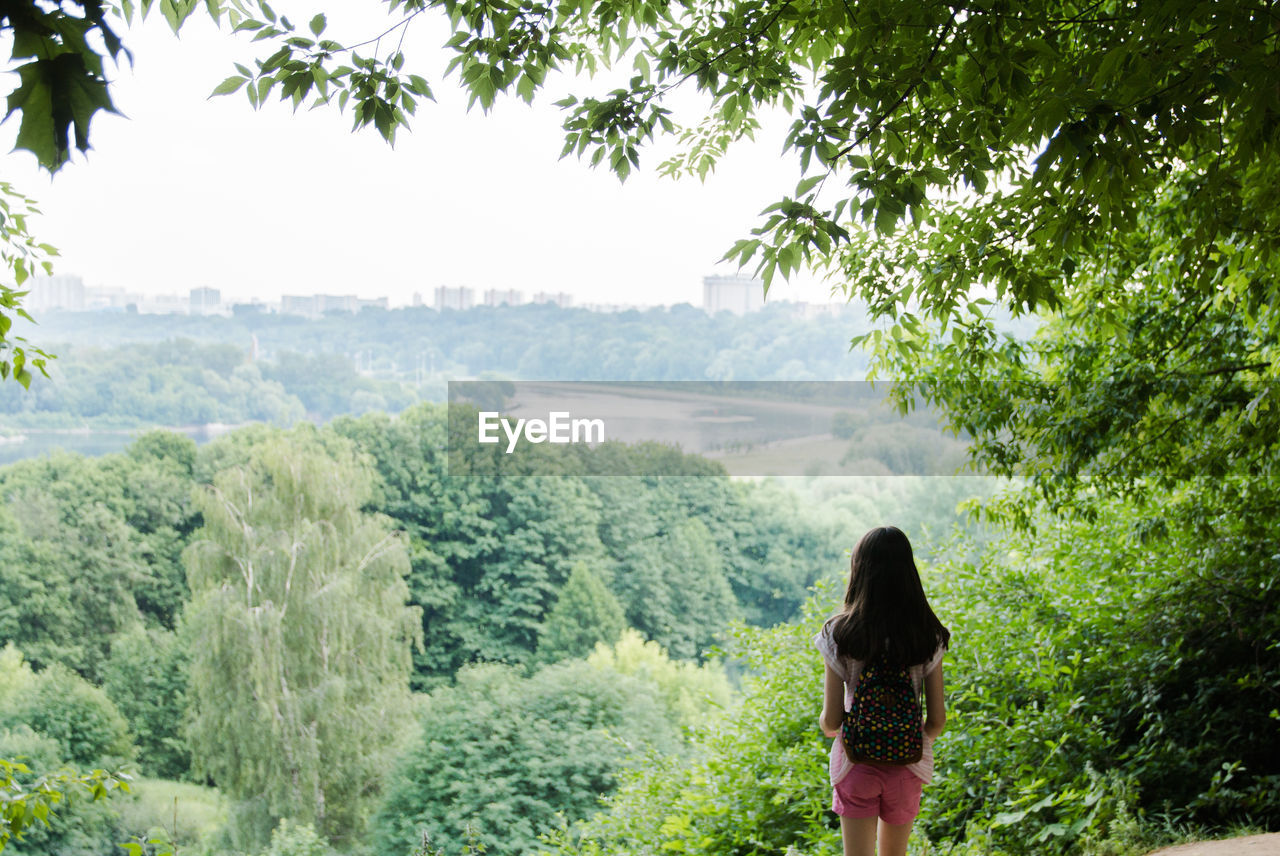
x=883 y=726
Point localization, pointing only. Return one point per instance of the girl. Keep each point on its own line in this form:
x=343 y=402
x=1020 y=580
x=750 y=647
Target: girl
x=885 y=611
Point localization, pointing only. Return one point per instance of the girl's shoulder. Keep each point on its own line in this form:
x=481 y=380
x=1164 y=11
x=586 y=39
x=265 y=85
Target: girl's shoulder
x=934 y=661
x=825 y=642
x=824 y=638
x=828 y=630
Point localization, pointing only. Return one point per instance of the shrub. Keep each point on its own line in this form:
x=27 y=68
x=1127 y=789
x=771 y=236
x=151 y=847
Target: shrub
x=146 y=677
x=1098 y=674
x=58 y=704
x=301 y=840
x=505 y=755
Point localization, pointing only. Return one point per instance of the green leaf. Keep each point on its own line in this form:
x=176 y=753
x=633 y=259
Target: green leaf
x=36 y=131
x=170 y=12
x=525 y=89
x=231 y=84
x=808 y=184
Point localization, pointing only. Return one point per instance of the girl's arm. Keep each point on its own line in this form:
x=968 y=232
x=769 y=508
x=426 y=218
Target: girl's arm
x=832 y=704
x=935 y=719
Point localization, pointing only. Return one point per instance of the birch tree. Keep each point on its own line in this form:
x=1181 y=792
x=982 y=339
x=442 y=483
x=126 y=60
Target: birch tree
x=300 y=638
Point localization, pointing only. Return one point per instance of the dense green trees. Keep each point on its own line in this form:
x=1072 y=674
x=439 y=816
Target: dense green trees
x=541 y=527
x=175 y=383
x=48 y=720
x=299 y=637
x=92 y=546
x=586 y=613
x=71 y=562
x=512 y=756
x=146 y=677
x=667 y=570
x=179 y=370
x=1155 y=655
x=754 y=782
x=496 y=565
x=683 y=555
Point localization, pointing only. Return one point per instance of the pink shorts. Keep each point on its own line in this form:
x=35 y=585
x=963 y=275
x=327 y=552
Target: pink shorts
x=871 y=790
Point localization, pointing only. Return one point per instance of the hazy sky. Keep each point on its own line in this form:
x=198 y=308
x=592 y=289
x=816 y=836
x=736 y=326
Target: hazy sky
x=190 y=191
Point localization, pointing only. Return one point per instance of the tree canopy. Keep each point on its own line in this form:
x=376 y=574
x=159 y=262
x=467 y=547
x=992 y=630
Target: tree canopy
x=1019 y=138
x=298 y=603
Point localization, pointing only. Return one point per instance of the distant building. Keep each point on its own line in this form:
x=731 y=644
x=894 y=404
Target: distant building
x=461 y=297
x=317 y=305
x=299 y=304
x=113 y=298
x=499 y=297
x=164 y=304
x=336 y=303
x=817 y=310
x=45 y=293
x=417 y=298
x=736 y=294
x=560 y=298
x=205 y=300
x=614 y=307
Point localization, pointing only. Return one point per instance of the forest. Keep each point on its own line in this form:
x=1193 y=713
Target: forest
x=330 y=602
x=314 y=640
x=128 y=371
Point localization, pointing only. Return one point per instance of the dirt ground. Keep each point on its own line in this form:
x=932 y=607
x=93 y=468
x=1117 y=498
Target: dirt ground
x=1251 y=845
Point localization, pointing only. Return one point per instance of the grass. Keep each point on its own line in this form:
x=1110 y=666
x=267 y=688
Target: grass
x=190 y=812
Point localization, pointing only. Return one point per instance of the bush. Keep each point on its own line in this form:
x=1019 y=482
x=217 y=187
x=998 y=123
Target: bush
x=1109 y=659
x=16 y=678
x=689 y=693
x=506 y=755
x=146 y=677
x=64 y=707
x=290 y=840
x=1098 y=676
x=22 y=745
x=754 y=780
x=50 y=719
x=43 y=811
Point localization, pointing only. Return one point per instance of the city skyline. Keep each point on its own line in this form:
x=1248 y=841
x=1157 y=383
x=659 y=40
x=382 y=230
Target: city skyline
x=206 y=192
x=68 y=292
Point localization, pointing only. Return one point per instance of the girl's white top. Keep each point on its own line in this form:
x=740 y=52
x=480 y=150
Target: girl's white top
x=849 y=671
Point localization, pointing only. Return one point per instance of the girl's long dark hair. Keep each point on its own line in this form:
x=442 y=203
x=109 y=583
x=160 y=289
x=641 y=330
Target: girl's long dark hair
x=885 y=609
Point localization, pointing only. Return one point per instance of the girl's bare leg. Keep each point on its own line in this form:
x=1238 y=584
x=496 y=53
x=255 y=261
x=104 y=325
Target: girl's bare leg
x=859 y=835
x=893 y=838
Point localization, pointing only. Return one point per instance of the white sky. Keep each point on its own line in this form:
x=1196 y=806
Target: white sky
x=189 y=191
